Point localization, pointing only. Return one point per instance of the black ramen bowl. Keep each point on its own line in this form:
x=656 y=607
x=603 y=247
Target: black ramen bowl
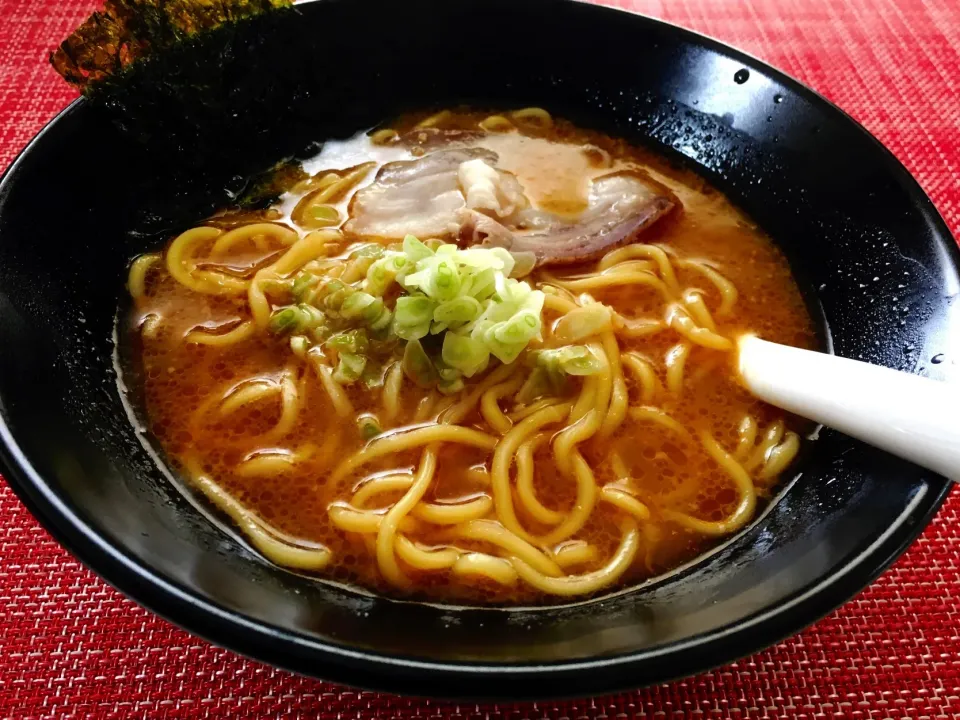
x=879 y=266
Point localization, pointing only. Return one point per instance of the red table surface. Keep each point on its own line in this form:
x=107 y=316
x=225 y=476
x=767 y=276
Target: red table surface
x=72 y=647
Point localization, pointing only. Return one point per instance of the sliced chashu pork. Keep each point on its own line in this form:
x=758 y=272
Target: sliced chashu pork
x=422 y=197
x=460 y=193
x=620 y=206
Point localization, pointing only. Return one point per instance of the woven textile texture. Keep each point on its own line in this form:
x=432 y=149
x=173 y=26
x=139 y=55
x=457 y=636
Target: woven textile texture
x=72 y=647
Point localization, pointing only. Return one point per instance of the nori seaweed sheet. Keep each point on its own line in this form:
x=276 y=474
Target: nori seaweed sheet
x=198 y=113
x=127 y=31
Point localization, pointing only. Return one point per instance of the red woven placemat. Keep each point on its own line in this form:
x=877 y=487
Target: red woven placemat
x=71 y=647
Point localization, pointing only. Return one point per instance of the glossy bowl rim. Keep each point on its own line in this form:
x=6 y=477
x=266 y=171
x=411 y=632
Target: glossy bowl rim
x=394 y=673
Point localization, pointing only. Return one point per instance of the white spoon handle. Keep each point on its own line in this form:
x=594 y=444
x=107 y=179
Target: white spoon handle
x=908 y=415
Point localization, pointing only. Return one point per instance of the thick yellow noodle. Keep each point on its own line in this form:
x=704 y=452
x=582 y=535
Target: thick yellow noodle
x=744 y=486
x=617 y=410
x=365 y=522
x=727 y=290
x=483 y=565
x=503 y=458
x=780 y=456
x=492 y=532
x=268 y=540
x=533 y=116
x=597 y=282
x=338 y=187
x=574 y=552
x=590 y=582
x=626 y=502
x=341 y=403
x=454 y=513
x=247 y=393
x=409 y=438
x=646 y=376
x=182 y=266
x=137 y=277
x=379 y=484
x=660 y=258
x=289 y=405
x=747 y=433
x=497 y=124
x=583 y=504
x=525 y=492
x=679 y=320
x=258 y=233
x=268 y=464
x=391 y=392
x=243 y=331
x=675 y=362
x=384 y=136
x=386 y=555
x=490 y=405
x=425 y=559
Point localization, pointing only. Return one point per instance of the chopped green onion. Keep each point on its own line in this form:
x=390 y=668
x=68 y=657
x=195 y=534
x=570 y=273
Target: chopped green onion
x=302 y=284
x=334 y=286
x=465 y=354
x=519 y=329
x=382 y=323
x=374 y=312
x=320 y=333
x=383 y=272
x=324 y=215
x=299 y=345
x=483 y=284
x=571 y=360
x=415 y=250
x=353 y=341
x=350 y=368
x=356 y=306
x=283 y=320
x=583 y=322
x=412 y=315
x=371 y=250
x=551 y=368
x=457 y=312
x=417 y=365
x=337 y=293
x=437 y=277
x=542 y=381
x=295 y=318
x=450 y=382
x=369 y=427
x=465 y=297
x=483 y=258
x=310 y=317
x=524 y=263
x=372 y=375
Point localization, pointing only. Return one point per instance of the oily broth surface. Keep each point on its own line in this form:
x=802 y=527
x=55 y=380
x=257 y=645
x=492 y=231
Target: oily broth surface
x=181 y=380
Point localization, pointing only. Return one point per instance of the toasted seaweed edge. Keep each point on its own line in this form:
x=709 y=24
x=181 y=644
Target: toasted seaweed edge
x=266 y=187
x=127 y=31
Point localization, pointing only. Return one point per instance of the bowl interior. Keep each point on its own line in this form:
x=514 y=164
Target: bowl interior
x=876 y=260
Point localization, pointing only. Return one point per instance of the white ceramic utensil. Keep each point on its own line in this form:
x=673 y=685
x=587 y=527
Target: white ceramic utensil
x=911 y=416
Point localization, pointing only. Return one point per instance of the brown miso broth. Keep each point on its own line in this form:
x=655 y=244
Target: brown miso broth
x=258 y=422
